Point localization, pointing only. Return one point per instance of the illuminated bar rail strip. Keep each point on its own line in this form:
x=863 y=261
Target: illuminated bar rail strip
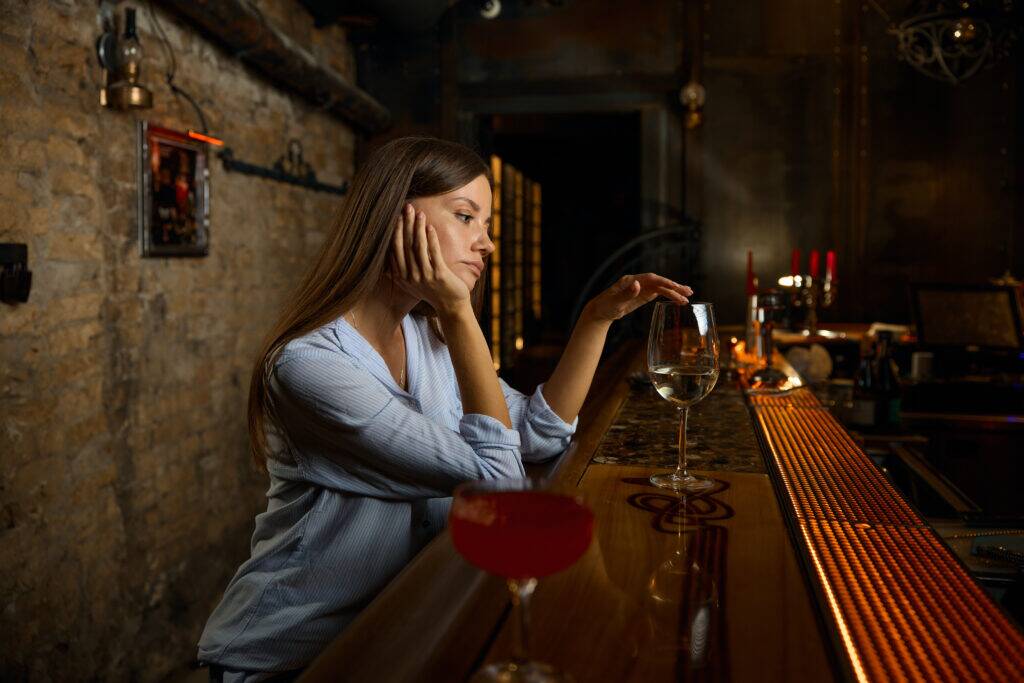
x=903 y=606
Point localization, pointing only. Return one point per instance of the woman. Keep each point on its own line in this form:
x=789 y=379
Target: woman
x=376 y=396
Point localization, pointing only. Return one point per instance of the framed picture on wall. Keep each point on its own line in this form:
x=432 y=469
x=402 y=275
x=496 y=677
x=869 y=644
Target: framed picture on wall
x=174 y=193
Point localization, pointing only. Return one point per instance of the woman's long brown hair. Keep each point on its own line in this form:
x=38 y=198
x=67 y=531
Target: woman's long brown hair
x=352 y=260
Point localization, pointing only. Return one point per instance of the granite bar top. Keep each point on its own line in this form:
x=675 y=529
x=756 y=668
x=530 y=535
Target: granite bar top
x=645 y=431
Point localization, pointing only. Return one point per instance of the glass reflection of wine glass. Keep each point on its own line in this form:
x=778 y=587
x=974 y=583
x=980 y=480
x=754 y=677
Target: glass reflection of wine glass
x=682 y=361
x=510 y=528
x=683 y=596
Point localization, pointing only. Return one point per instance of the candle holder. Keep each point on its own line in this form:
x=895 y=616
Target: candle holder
x=807 y=296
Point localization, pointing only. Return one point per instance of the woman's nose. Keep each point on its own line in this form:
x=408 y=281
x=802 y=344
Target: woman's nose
x=488 y=245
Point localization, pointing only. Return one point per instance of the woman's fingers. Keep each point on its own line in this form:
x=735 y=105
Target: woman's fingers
x=409 y=228
x=656 y=280
x=434 y=250
x=672 y=294
x=422 y=252
x=398 y=250
x=652 y=286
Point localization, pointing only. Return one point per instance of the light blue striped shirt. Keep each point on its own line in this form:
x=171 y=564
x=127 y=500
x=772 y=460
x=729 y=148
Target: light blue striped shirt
x=361 y=481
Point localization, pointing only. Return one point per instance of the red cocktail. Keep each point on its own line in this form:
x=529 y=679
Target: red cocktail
x=508 y=528
x=521 y=534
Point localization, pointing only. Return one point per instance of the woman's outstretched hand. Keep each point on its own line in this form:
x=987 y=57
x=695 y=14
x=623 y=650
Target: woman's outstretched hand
x=633 y=291
x=569 y=384
x=419 y=267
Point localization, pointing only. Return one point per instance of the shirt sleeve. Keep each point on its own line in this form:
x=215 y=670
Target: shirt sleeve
x=348 y=432
x=543 y=433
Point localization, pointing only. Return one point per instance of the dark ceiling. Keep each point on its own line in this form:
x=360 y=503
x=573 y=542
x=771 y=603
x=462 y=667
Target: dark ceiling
x=399 y=15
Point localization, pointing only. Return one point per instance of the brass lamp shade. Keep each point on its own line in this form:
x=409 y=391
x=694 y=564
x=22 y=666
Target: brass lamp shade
x=126 y=95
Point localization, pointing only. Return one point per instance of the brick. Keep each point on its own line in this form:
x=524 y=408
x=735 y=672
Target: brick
x=42 y=219
x=82 y=432
x=74 y=248
x=54 y=278
x=74 y=338
x=77 y=400
x=65 y=152
x=27 y=155
x=86 y=365
x=72 y=181
x=14 y=224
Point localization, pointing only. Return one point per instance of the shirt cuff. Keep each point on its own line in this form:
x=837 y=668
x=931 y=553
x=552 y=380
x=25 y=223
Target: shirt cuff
x=485 y=431
x=545 y=420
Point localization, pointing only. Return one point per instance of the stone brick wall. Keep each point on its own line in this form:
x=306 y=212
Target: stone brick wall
x=126 y=491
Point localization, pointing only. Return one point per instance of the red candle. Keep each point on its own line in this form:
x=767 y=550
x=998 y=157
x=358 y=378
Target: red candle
x=794 y=263
x=815 y=263
x=830 y=265
x=751 y=289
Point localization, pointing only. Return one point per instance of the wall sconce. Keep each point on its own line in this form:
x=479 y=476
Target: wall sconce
x=693 y=96
x=122 y=59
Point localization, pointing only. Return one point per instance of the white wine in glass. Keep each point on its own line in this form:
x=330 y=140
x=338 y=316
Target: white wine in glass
x=682 y=362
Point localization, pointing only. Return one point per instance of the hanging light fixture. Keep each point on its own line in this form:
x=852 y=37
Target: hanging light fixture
x=122 y=60
x=950 y=40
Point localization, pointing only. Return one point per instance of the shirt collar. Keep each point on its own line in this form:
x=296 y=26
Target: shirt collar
x=353 y=343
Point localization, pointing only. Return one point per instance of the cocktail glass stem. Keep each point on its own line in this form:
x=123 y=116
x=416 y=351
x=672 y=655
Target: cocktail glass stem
x=521 y=591
x=681 y=466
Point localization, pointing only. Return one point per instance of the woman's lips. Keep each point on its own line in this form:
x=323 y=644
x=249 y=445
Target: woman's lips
x=475 y=267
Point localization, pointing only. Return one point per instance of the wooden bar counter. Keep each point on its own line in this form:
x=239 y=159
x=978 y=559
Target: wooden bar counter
x=750 y=581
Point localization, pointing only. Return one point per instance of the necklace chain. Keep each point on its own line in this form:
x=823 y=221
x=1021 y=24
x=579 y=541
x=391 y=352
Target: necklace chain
x=401 y=373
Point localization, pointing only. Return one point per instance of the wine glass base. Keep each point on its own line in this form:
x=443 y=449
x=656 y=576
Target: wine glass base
x=520 y=672
x=677 y=482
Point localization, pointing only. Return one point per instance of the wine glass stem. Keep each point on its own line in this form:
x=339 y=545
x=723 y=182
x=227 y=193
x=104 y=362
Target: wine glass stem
x=681 y=467
x=521 y=591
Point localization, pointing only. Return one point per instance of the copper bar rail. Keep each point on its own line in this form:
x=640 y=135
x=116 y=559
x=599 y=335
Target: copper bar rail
x=901 y=605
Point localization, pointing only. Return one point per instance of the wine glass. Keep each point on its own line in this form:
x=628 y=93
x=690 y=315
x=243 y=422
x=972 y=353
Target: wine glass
x=682 y=362
x=515 y=530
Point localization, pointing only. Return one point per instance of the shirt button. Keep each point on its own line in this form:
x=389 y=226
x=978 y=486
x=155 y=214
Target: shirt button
x=425 y=523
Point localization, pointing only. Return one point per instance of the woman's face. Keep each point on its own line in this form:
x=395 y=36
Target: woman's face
x=462 y=219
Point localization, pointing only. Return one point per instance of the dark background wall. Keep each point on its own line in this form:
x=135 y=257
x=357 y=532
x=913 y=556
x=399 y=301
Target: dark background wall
x=815 y=135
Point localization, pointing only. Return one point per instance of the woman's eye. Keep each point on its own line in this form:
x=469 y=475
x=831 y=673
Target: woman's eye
x=464 y=217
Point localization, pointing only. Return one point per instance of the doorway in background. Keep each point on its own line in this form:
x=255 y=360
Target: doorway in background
x=577 y=180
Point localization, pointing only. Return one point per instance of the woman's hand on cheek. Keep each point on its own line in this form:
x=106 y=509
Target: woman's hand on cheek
x=633 y=291
x=419 y=267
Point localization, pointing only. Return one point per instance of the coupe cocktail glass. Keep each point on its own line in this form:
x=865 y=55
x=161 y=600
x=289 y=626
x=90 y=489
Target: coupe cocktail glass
x=515 y=530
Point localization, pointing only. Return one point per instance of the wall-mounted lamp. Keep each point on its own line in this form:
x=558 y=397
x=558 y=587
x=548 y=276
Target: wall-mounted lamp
x=121 y=60
x=693 y=96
